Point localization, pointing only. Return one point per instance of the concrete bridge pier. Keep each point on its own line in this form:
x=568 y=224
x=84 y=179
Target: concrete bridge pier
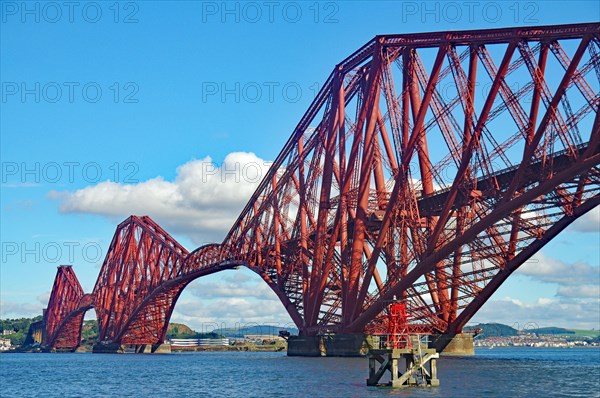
x=114 y=348
x=334 y=345
x=107 y=348
x=453 y=345
x=357 y=345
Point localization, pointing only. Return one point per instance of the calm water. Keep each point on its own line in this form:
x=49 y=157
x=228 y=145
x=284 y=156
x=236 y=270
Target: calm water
x=491 y=373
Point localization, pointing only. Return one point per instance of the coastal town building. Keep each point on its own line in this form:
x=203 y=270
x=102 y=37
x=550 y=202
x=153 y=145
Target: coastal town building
x=5 y=344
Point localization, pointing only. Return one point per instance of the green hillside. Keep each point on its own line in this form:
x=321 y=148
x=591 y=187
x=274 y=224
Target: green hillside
x=582 y=333
x=19 y=327
x=89 y=332
x=492 y=330
x=181 y=331
x=552 y=330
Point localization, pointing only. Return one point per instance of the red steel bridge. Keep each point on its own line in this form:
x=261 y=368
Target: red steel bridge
x=429 y=167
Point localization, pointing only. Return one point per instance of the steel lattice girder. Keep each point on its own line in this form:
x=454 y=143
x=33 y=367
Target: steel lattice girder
x=63 y=318
x=360 y=207
x=141 y=257
x=429 y=167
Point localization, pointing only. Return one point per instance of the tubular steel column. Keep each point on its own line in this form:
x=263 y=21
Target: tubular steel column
x=434 y=193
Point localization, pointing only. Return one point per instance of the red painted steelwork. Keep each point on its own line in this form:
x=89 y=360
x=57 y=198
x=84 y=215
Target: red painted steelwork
x=429 y=167
x=63 y=318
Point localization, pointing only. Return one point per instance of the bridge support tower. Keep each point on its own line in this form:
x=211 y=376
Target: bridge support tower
x=453 y=345
x=114 y=348
x=358 y=345
x=333 y=345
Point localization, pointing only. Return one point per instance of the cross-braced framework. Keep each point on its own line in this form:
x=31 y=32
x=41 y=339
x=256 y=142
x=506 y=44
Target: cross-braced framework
x=429 y=167
x=63 y=318
x=141 y=257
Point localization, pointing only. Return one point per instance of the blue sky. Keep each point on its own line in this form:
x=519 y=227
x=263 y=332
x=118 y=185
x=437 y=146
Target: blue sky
x=139 y=93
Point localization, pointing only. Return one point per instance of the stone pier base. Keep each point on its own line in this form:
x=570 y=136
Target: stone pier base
x=138 y=348
x=356 y=345
x=338 y=345
x=162 y=349
x=459 y=345
x=346 y=345
x=100 y=348
x=304 y=346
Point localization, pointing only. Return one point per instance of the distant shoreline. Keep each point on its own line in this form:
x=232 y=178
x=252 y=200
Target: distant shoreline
x=279 y=349
x=521 y=347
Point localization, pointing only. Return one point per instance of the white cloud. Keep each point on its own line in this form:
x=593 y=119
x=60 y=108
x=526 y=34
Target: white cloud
x=202 y=202
x=227 y=290
x=589 y=222
x=206 y=315
x=43 y=298
x=577 y=314
x=576 y=303
x=237 y=284
x=229 y=300
x=9 y=309
x=585 y=291
x=577 y=280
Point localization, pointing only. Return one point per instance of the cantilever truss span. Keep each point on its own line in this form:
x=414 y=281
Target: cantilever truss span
x=429 y=167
